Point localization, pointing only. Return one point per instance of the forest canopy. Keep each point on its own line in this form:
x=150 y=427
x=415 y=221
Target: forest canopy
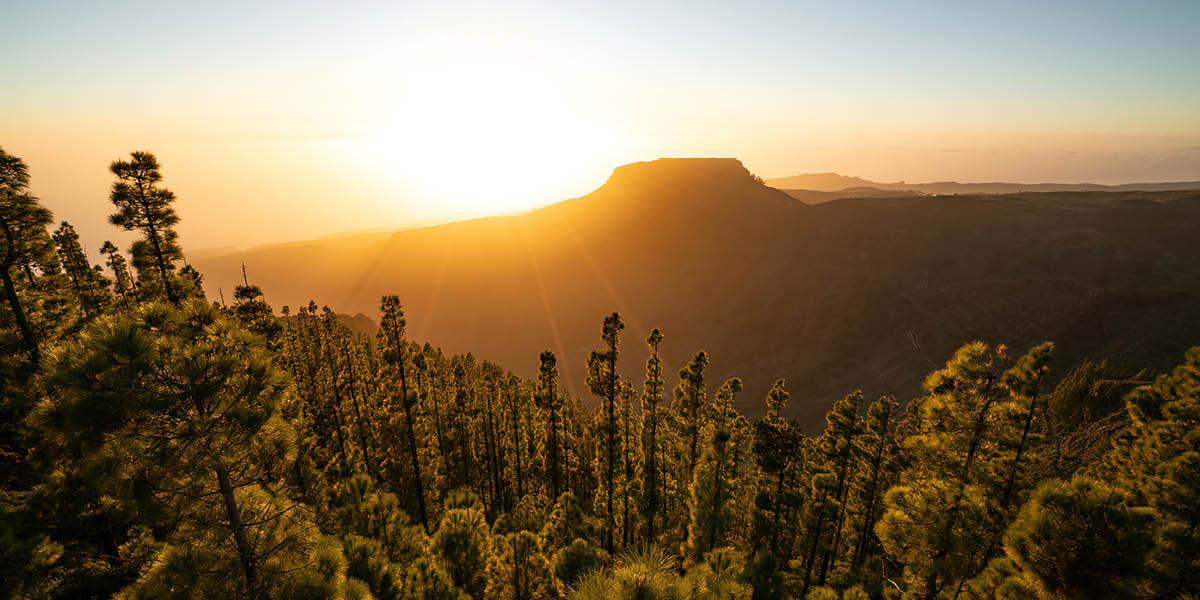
x=155 y=443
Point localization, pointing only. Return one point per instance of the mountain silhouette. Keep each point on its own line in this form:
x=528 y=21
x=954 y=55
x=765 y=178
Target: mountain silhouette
x=868 y=293
x=843 y=186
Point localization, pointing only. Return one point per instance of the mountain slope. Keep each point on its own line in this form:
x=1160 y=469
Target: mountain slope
x=869 y=293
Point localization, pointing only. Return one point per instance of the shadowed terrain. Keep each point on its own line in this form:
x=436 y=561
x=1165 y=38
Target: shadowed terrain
x=854 y=292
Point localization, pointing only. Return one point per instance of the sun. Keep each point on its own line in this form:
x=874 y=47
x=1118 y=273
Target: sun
x=485 y=132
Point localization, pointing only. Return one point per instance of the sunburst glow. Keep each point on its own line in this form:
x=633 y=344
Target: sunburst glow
x=485 y=131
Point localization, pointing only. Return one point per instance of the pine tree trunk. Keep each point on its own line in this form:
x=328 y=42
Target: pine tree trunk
x=610 y=462
x=716 y=499
x=516 y=425
x=517 y=592
x=72 y=269
x=240 y=539
x=156 y=244
x=778 y=509
x=338 y=421
x=413 y=454
x=652 y=475
x=1006 y=497
x=491 y=447
x=868 y=514
x=437 y=427
x=812 y=549
x=694 y=432
x=843 y=495
x=364 y=433
x=555 y=473
x=931 y=586
x=28 y=339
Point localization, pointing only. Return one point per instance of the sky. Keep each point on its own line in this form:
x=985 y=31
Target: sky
x=292 y=120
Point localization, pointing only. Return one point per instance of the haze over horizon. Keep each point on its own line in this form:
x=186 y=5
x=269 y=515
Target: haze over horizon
x=278 y=122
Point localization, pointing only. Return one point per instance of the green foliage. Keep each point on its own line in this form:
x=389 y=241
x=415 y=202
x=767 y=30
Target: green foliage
x=367 y=562
x=763 y=576
x=1080 y=539
x=944 y=519
x=425 y=580
x=461 y=547
x=517 y=568
x=776 y=446
x=716 y=478
x=650 y=575
x=1158 y=460
x=250 y=308
x=573 y=561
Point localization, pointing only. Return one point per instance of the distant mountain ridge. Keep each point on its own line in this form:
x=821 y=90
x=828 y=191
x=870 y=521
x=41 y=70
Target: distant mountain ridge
x=847 y=185
x=861 y=293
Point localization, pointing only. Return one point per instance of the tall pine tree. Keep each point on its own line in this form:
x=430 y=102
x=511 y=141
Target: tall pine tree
x=142 y=205
x=603 y=381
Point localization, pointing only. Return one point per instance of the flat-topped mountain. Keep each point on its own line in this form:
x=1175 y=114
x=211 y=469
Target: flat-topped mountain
x=867 y=293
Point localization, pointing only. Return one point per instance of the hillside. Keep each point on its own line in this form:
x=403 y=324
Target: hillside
x=869 y=292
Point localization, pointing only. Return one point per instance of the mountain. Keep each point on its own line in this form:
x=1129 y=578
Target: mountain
x=820 y=182
x=817 y=197
x=868 y=293
x=845 y=186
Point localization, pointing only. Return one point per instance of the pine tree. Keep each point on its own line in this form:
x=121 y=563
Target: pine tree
x=961 y=454
x=1158 y=461
x=878 y=449
x=827 y=513
x=631 y=462
x=517 y=569
x=1080 y=539
x=391 y=338
x=90 y=286
x=715 y=476
x=122 y=281
x=652 y=444
x=170 y=408
x=518 y=430
x=776 y=447
x=603 y=381
x=251 y=308
x=550 y=403
x=26 y=244
x=345 y=386
x=688 y=403
x=567 y=537
x=461 y=544
x=425 y=579
x=1023 y=382
x=144 y=206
